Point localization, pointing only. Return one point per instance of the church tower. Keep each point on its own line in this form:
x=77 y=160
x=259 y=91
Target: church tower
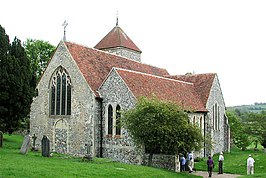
x=117 y=42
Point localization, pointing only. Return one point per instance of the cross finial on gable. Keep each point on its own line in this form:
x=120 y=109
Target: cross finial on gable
x=116 y=18
x=64 y=25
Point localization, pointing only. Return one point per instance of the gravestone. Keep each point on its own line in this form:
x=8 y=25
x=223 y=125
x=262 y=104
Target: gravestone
x=1 y=139
x=88 y=156
x=33 y=148
x=25 y=145
x=45 y=146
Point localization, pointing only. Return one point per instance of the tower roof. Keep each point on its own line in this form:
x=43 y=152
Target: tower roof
x=117 y=38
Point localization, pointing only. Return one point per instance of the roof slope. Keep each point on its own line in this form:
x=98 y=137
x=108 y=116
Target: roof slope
x=117 y=38
x=147 y=85
x=95 y=65
x=202 y=83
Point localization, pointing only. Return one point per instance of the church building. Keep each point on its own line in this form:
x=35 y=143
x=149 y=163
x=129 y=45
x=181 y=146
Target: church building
x=83 y=89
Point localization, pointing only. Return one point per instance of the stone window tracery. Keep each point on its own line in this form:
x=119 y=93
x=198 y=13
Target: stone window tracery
x=60 y=93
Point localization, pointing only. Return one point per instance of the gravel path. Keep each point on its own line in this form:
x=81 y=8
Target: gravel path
x=215 y=175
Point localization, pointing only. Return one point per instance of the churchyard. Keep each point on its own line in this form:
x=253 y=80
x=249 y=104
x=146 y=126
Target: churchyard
x=13 y=163
x=16 y=161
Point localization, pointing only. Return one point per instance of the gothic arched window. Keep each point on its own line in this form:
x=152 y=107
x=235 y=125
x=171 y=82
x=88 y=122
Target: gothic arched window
x=216 y=117
x=60 y=93
x=118 y=120
x=110 y=120
x=201 y=123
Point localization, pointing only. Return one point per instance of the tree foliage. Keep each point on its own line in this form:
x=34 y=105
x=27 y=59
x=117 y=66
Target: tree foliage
x=17 y=83
x=256 y=127
x=39 y=52
x=238 y=131
x=161 y=127
x=247 y=128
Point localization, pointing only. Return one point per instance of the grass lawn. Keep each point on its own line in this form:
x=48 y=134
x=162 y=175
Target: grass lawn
x=14 y=164
x=236 y=162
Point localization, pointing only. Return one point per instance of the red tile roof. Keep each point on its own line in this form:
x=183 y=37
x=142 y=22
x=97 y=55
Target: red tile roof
x=117 y=38
x=95 y=65
x=147 y=85
x=202 y=83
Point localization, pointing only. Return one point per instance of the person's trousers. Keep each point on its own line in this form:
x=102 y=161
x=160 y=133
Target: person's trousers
x=250 y=170
x=191 y=165
x=210 y=171
x=220 y=167
x=183 y=168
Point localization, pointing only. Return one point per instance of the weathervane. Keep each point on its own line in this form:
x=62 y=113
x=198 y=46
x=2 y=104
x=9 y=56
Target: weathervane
x=64 y=25
x=116 y=18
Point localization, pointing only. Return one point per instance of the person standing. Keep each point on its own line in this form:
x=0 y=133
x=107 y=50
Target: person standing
x=183 y=163
x=250 y=165
x=220 y=160
x=190 y=162
x=210 y=164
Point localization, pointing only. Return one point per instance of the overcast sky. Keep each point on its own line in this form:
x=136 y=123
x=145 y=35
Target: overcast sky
x=226 y=37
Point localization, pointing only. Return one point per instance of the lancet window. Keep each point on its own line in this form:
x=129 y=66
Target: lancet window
x=110 y=120
x=118 y=120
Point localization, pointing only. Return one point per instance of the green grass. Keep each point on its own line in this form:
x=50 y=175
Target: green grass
x=235 y=162
x=31 y=165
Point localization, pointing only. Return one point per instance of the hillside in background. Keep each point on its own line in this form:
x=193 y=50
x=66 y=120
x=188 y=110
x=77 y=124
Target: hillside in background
x=256 y=107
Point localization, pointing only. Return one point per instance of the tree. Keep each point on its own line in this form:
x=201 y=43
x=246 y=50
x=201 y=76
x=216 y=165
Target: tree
x=17 y=83
x=39 y=52
x=4 y=58
x=257 y=127
x=161 y=127
x=238 y=131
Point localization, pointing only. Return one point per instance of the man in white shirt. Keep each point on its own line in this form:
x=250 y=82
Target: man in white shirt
x=250 y=165
x=220 y=160
x=190 y=161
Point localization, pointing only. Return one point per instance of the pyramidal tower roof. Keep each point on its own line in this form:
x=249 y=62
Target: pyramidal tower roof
x=117 y=38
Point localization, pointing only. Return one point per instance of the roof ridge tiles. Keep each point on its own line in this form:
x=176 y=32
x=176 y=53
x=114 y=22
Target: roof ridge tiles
x=190 y=75
x=165 y=78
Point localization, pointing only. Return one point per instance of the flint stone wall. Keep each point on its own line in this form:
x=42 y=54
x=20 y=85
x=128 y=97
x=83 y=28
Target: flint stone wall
x=199 y=121
x=114 y=91
x=218 y=136
x=161 y=161
x=124 y=52
x=80 y=124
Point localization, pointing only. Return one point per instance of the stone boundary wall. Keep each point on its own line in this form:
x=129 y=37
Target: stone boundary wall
x=170 y=162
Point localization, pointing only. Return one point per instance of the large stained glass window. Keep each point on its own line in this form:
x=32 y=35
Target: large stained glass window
x=60 y=93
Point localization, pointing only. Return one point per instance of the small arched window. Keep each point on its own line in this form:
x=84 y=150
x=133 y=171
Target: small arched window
x=194 y=120
x=118 y=120
x=110 y=120
x=60 y=93
x=201 y=122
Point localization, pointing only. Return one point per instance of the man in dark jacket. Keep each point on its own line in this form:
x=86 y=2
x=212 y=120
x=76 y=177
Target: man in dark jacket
x=210 y=165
